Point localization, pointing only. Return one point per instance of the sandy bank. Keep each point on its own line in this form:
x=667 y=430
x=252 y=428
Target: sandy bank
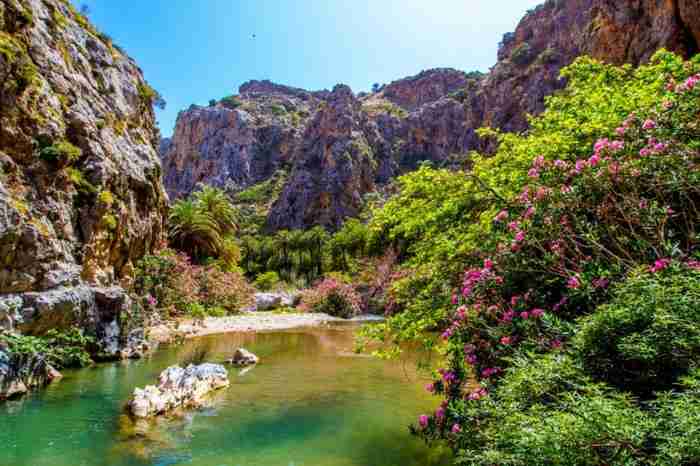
x=245 y=322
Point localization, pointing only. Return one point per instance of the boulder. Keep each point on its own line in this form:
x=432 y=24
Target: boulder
x=243 y=357
x=20 y=373
x=269 y=301
x=178 y=388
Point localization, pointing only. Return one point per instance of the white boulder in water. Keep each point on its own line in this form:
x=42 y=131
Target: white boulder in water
x=178 y=387
x=243 y=357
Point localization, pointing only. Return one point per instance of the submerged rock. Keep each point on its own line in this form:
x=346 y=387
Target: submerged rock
x=178 y=387
x=243 y=357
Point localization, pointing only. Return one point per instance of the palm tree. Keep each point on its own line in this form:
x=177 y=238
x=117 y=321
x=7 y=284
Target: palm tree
x=217 y=203
x=193 y=230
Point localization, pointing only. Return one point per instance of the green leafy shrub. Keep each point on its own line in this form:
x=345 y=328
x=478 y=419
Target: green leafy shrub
x=232 y=102
x=61 y=349
x=333 y=298
x=648 y=335
x=169 y=284
x=61 y=153
x=267 y=280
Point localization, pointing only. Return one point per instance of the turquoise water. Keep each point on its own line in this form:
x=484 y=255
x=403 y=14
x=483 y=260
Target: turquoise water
x=311 y=402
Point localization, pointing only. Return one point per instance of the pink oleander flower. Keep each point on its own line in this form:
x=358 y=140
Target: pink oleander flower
x=524 y=315
x=621 y=131
x=506 y=340
x=508 y=316
x=556 y=344
x=573 y=282
x=151 y=300
x=471 y=359
x=660 y=265
x=542 y=193
x=566 y=189
x=538 y=162
x=449 y=377
x=600 y=283
x=529 y=212
x=514 y=226
x=440 y=413
x=668 y=104
x=501 y=216
x=533 y=173
x=561 y=165
x=489 y=372
x=488 y=264
x=430 y=388
x=477 y=394
x=594 y=160
x=649 y=124
x=536 y=313
x=454 y=299
x=456 y=429
x=525 y=195
x=580 y=165
x=693 y=264
x=643 y=204
x=423 y=421
x=561 y=302
x=616 y=146
x=447 y=334
x=520 y=236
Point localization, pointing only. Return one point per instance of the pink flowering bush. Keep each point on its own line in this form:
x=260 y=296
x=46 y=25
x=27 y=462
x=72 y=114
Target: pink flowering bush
x=169 y=284
x=588 y=275
x=332 y=297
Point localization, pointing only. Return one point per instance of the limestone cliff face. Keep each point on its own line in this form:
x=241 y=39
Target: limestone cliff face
x=81 y=197
x=431 y=116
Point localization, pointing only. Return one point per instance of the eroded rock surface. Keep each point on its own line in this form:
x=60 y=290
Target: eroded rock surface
x=178 y=388
x=80 y=192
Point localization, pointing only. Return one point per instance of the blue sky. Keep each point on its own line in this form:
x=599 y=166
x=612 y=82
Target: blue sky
x=195 y=50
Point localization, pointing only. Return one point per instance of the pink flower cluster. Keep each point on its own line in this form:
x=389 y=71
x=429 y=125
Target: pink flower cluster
x=660 y=265
x=490 y=371
x=688 y=85
x=477 y=394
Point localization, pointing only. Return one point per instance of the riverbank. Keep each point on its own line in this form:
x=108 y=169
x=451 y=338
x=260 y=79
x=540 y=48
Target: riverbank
x=245 y=322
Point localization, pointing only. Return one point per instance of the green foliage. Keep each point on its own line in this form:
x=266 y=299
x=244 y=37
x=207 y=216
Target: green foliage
x=149 y=96
x=522 y=54
x=267 y=280
x=78 y=179
x=648 y=335
x=441 y=221
x=167 y=283
x=106 y=197
x=61 y=153
x=201 y=224
x=333 y=298
x=60 y=348
x=232 y=102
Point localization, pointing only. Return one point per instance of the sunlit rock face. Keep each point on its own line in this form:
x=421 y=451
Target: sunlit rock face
x=338 y=146
x=80 y=192
x=81 y=196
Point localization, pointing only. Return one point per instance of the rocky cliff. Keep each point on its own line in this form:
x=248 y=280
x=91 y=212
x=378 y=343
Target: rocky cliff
x=81 y=197
x=319 y=136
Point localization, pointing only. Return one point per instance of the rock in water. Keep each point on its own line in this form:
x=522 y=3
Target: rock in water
x=20 y=373
x=243 y=357
x=178 y=387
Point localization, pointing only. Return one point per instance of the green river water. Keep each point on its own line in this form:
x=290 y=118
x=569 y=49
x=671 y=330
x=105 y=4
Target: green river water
x=311 y=402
